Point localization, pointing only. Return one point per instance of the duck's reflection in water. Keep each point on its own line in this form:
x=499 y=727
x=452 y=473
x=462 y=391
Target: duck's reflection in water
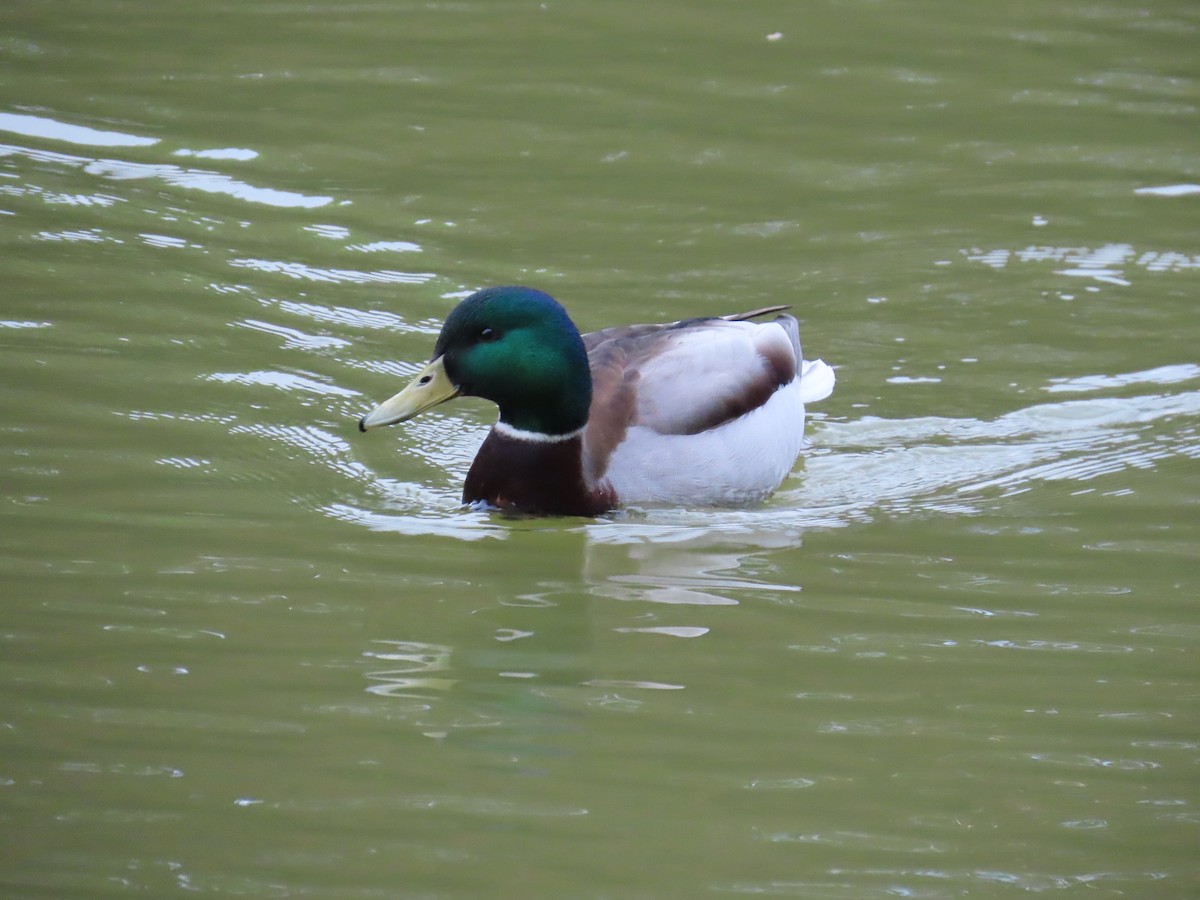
x=686 y=563
x=531 y=664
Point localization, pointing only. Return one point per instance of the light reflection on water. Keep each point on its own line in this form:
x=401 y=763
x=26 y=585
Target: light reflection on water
x=45 y=127
x=330 y=275
x=413 y=668
x=173 y=175
x=1105 y=264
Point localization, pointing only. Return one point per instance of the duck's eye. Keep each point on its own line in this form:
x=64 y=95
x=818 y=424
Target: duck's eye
x=487 y=335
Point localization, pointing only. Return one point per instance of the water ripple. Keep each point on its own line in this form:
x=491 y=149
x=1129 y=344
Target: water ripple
x=314 y=273
x=1161 y=375
x=417 y=672
x=1106 y=263
x=317 y=442
x=287 y=381
x=45 y=127
x=359 y=318
x=176 y=176
x=940 y=463
x=293 y=337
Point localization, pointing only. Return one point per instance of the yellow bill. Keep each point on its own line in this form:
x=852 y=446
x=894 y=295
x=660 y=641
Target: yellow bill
x=431 y=387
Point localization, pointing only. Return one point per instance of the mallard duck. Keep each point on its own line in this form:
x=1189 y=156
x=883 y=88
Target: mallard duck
x=706 y=411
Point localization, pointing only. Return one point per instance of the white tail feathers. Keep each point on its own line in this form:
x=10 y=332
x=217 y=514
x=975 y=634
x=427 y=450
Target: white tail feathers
x=816 y=380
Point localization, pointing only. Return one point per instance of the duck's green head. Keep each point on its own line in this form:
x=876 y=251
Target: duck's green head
x=515 y=346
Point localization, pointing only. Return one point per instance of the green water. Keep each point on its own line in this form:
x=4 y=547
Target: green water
x=245 y=650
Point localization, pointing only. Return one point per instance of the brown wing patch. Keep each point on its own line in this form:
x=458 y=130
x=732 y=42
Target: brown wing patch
x=777 y=367
x=782 y=357
x=755 y=394
x=614 y=402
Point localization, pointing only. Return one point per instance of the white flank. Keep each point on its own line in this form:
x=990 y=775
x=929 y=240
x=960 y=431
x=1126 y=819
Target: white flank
x=737 y=463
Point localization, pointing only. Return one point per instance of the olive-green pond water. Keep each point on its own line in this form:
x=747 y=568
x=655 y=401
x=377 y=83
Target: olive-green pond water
x=247 y=651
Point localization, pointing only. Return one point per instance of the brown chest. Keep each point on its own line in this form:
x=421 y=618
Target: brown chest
x=538 y=477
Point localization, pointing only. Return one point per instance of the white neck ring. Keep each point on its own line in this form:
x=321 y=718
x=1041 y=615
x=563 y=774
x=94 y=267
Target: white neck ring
x=534 y=437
